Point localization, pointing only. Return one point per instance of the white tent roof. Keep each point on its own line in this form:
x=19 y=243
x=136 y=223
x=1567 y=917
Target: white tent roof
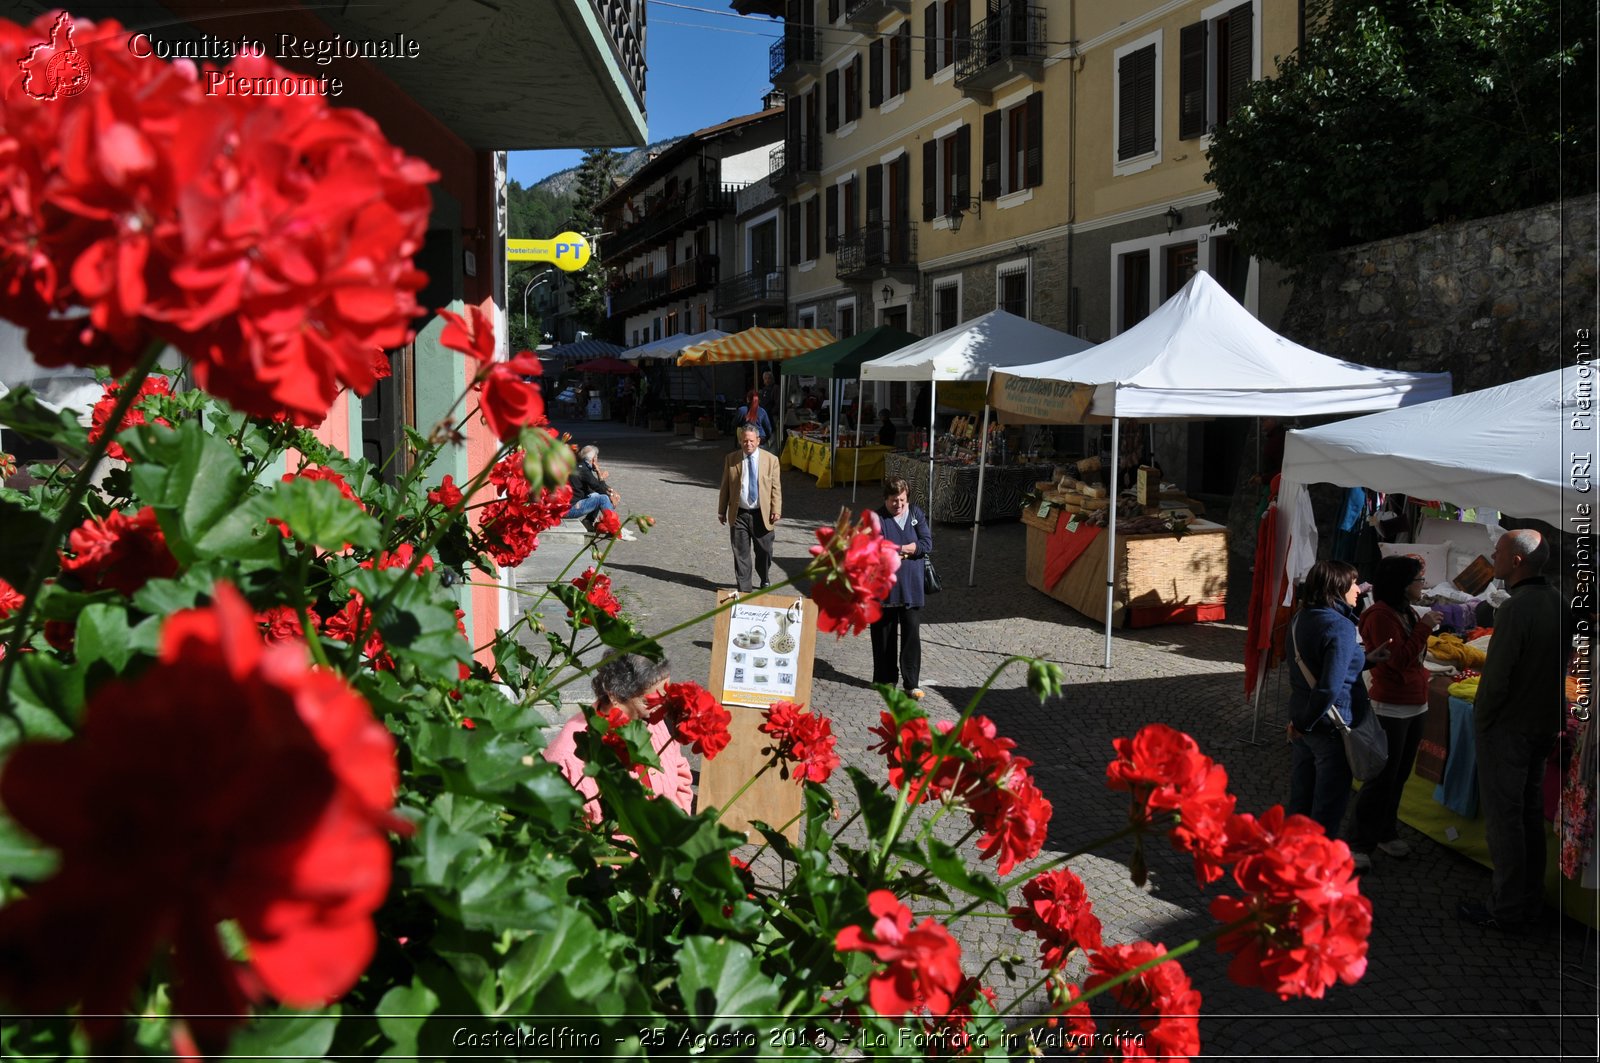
x=1500 y=448
x=1201 y=354
x=671 y=346
x=969 y=350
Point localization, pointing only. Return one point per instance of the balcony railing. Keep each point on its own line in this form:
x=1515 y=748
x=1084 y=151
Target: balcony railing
x=797 y=52
x=757 y=287
x=677 y=281
x=1007 y=43
x=624 y=21
x=876 y=251
x=755 y=194
x=795 y=159
x=669 y=216
x=866 y=14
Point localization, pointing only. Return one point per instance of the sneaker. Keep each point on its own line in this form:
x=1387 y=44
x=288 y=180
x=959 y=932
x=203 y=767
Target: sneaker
x=1363 y=861
x=628 y=536
x=1479 y=915
x=1399 y=848
x=917 y=692
x=588 y=523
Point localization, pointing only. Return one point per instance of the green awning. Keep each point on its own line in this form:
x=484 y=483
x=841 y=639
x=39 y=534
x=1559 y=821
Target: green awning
x=843 y=358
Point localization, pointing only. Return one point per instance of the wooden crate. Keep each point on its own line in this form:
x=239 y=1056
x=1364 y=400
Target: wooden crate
x=1151 y=570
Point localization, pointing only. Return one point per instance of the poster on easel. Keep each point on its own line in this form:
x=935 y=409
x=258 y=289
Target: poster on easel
x=761 y=652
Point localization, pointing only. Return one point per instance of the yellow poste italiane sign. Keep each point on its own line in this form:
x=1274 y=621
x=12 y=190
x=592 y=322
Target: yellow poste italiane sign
x=567 y=251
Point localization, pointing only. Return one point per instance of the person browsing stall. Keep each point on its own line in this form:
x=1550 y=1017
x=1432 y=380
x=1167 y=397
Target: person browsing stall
x=896 y=635
x=750 y=504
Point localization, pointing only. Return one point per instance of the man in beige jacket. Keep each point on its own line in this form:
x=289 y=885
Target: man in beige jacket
x=750 y=503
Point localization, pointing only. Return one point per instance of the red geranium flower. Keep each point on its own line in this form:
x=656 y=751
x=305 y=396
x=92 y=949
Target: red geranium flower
x=949 y=1032
x=101 y=413
x=508 y=400
x=855 y=570
x=596 y=588
x=802 y=739
x=447 y=494
x=400 y=557
x=170 y=813
x=694 y=717
x=1057 y=908
x=472 y=335
x=1163 y=994
x=608 y=523
x=1014 y=816
x=280 y=623
x=355 y=620
x=1305 y=923
x=10 y=599
x=1164 y=772
x=121 y=553
x=923 y=965
x=511 y=524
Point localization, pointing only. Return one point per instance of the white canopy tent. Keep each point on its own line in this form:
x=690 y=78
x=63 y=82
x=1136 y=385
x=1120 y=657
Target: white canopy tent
x=671 y=346
x=1199 y=354
x=967 y=352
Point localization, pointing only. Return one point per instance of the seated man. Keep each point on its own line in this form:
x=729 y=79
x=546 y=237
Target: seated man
x=590 y=492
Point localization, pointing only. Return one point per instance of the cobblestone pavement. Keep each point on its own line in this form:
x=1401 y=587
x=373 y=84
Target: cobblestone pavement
x=1434 y=988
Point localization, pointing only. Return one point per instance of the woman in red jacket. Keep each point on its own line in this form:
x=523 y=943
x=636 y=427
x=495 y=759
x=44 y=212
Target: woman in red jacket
x=1399 y=694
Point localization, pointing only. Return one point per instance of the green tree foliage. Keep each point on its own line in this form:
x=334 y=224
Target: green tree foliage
x=1399 y=115
x=596 y=180
x=536 y=213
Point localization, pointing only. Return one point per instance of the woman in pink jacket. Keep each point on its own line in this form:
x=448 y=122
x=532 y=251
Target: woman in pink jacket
x=1399 y=695
x=627 y=683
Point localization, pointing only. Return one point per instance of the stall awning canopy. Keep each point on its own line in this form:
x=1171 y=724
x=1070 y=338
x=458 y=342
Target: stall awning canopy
x=1500 y=448
x=671 y=346
x=609 y=366
x=758 y=345
x=1201 y=354
x=844 y=358
x=590 y=348
x=969 y=350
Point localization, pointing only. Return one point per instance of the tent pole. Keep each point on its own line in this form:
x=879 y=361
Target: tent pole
x=777 y=424
x=1114 y=467
x=855 y=478
x=1255 y=706
x=933 y=419
x=977 y=509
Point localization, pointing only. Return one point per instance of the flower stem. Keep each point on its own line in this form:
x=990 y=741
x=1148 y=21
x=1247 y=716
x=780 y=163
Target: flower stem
x=126 y=397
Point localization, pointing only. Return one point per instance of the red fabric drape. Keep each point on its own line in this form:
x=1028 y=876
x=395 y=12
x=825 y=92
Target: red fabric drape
x=1063 y=548
x=1264 y=605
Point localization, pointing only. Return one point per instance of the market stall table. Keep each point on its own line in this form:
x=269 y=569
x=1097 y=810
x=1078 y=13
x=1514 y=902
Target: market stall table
x=955 y=497
x=849 y=464
x=1160 y=578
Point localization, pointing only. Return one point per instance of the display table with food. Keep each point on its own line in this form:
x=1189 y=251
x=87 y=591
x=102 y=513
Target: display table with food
x=846 y=464
x=955 y=486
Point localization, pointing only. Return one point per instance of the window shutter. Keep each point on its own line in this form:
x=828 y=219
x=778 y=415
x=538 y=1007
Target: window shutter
x=1240 y=49
x=903 y=171
x=874 y=196
x=812 y=229
x=1191 y=81
x=794 y=234
x=991 y=155
x=833 y=11
x=1136 y=118
x=905 y=56
x=930 y=40
x=832 y=121
x=930 y=178
x=964 y=163
x=1033 y=165
x=852 y=101
x=833 y=218
x=963 y=42
x=852 y=203
x=875 y=72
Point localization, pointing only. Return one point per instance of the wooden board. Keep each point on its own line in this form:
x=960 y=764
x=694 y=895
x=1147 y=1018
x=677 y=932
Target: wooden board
x=772 y=799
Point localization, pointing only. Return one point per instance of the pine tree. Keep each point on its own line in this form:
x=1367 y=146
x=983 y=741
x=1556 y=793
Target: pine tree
x=596 y=181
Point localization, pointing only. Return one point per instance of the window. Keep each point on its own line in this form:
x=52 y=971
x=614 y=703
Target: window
x=1182 y=261
x=946 y=304
x=945 y=28
x=1136 y=105
x=655 y=329
x=946 y=171
x=840 y=212
x=1134 y=269
x=1217 y=60
x=852 y=89
x=1011 y=288
x=806 y=318
x=812 y=210
x=1013 y=147
x=1149 y=269
x=889 y=75
x=845 y=319
x=672 y=323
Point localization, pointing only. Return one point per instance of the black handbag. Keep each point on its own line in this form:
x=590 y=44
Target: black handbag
x=930 y=578
x=1366 y=746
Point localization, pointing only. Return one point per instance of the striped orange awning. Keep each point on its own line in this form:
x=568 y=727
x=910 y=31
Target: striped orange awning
x=757 y=345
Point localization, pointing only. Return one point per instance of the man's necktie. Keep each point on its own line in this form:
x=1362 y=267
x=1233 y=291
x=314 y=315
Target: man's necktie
x=750 y=481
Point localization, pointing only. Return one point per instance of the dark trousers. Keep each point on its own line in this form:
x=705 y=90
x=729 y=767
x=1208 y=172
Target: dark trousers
x=899 y=625
x=1510 y=791
x=1319 y=778
x=1377 y=812
x=749 y=534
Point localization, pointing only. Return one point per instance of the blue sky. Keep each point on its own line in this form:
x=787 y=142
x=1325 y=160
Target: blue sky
x=706 y=65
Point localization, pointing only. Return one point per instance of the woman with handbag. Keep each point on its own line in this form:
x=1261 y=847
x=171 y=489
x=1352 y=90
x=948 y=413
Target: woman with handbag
x=896 y=638
x=1329 y=661
x=1399 y=695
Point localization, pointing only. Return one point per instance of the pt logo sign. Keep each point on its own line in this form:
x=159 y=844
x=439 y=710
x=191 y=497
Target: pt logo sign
x=568 y=251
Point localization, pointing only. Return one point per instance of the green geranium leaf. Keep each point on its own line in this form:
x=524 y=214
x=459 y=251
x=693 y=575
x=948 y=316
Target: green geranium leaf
x=317 y=513
x=402 y=1012
x=192 y=477
x=722 y=985
x=877 y=807
x=288 y=1035
x=570 y=952
x=951 y=868
x=416 y=618
x=22 y=412
x=46 y=694
x=104 y=636
x=23 y=530
x=22 y=855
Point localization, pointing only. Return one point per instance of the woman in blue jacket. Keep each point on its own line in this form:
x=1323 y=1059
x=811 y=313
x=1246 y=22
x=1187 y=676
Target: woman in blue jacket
x=907 y=527
x=1324 y=637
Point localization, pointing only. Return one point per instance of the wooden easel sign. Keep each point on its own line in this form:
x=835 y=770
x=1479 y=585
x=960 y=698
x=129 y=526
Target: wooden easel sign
x=761 y=652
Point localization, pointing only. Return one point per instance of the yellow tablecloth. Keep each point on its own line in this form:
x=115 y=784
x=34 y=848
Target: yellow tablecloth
x=849 y=464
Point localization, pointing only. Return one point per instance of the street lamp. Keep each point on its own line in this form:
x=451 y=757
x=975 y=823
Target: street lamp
x=538 y=280
x=960 y=207
x=887 y=292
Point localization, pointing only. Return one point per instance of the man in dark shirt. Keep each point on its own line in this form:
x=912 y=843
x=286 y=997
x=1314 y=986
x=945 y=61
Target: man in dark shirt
x=1517 y=715
x=590 y=492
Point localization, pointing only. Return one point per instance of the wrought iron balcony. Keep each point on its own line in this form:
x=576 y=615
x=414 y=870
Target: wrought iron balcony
x=683 y=279
x=756 y=193
x=797 y=159
x=624 y=21
x=798 y=52
x=866 y=14
x=1007 y=43
x=747 y=291
x=670 y=216
x=877 y=251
